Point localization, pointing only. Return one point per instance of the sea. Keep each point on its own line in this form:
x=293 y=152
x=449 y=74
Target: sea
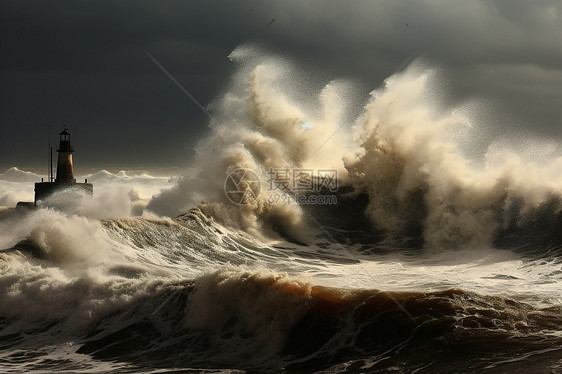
x=308 y=235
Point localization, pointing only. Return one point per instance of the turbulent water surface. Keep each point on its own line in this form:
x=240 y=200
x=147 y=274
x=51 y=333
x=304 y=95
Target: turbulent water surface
x=432 y=260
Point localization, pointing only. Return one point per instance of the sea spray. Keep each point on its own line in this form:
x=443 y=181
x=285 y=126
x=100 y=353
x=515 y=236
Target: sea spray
x=404 y=151
x=260 y=128
x=419 y=182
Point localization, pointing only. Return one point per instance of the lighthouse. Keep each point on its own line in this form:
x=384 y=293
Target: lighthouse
x=68 y=191
x=65 y=174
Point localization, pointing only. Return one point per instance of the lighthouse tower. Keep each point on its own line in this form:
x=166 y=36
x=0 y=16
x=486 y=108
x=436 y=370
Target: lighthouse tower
x=65 y=184
x=65 y=173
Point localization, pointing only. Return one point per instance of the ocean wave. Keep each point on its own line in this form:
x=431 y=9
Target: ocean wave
x=403 y=273
x=16 y=175
x=155 y=293
x=405 y=157
x=262 y=320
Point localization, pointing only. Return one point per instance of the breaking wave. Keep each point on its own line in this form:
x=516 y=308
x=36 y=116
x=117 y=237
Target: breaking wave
x=160 y=293
x=407 y=152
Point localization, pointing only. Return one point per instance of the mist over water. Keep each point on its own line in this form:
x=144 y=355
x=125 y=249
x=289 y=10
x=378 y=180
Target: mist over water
x=436 y=257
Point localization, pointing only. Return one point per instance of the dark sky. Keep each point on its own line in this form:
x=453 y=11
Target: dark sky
x=84 y=63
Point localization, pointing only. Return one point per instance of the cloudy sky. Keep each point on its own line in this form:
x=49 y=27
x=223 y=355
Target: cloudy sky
x=84 y=63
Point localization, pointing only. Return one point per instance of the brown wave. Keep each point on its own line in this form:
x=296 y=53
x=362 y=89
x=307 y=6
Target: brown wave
x=257 y=322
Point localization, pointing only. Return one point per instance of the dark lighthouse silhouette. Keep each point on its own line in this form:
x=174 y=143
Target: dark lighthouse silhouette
x=68 y=190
